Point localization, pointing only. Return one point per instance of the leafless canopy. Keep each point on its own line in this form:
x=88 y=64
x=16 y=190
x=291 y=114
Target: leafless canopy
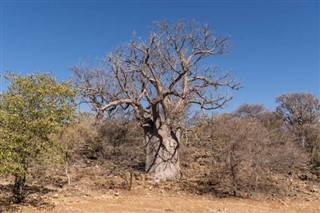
x=298 y=108
x=160 y=76
x=250 y=111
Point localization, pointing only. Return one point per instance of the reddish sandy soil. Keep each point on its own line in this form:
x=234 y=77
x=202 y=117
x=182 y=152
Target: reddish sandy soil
x=162 y=201
x=93 y=190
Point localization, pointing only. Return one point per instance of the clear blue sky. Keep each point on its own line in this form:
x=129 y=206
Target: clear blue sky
x=275 y=44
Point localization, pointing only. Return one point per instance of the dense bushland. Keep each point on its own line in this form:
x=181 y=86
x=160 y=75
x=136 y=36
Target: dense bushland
x=230 y=152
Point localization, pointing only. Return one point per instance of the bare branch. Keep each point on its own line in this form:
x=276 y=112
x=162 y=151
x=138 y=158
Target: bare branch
x=161 y=75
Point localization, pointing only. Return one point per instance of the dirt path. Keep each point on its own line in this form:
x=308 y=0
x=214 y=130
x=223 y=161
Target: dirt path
x=160 y=201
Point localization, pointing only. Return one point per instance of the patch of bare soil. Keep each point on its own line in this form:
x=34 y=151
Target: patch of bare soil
x=102 y=187
x=156 y=200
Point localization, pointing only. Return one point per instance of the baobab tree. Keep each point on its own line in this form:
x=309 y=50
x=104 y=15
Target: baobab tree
x=158 y=78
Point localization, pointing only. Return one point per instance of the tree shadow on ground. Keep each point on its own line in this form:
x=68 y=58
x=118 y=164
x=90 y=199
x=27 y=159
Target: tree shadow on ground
x=35 y=197
x=203 y=187
x=140 y=167
x=210 y=187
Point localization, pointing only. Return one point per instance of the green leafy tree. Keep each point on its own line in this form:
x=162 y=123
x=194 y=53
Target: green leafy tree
x=33 y=107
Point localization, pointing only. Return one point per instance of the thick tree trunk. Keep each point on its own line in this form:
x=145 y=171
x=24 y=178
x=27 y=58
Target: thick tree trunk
x=162 y=148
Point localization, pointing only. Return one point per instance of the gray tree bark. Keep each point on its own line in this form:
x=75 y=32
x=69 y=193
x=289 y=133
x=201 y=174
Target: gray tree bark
x=162 y=147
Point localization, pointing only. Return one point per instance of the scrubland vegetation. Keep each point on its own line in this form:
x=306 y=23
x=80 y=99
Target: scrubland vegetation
x=251 y=152
x=144 y=132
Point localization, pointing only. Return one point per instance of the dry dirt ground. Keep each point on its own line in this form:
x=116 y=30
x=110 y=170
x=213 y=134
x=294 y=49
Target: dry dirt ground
x=81 y=197
x=161 y=201
x=93 y=190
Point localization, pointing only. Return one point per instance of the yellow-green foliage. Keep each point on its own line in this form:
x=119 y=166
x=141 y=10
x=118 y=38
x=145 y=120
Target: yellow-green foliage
x=32 y=108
